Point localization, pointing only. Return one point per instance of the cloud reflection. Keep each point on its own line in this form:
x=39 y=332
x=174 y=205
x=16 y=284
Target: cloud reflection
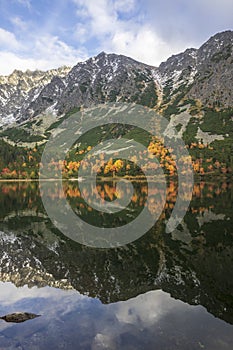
x=73 y=321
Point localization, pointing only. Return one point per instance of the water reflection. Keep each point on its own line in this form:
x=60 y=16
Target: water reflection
x=193 y=264
x=72 y=321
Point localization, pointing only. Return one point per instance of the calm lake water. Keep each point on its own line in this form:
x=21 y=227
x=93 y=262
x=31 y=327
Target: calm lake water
x=163 y=291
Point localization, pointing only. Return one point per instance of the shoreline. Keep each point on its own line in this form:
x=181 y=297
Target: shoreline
x=132 y=178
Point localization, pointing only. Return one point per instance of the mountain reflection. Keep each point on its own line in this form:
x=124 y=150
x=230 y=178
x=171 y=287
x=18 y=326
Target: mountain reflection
x=193 y=263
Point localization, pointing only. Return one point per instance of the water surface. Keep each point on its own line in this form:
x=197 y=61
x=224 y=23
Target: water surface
x=163 y=291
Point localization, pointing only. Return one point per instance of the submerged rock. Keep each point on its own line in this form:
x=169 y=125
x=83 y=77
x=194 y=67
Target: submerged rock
x=18 y=317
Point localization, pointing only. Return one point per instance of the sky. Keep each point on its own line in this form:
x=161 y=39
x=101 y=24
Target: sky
x=45 y=34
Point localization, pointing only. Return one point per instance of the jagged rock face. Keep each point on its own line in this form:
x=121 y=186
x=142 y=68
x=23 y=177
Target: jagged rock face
x=179 y=69
x=203 y=74
x=100 y=79
x=105 y=78
x=19 y=90
x=213 y=81
x=48 y=96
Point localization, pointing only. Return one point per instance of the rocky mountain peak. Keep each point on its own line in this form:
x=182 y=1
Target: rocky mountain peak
x=217 y=41
x=205 y=73
x=217 y=48
x=19 y=89
x=33 y=78
x=182 y=64
x=213 y=83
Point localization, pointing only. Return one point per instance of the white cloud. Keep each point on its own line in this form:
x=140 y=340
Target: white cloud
x=44 y=53
x=188 y=22
x=154 y=31
x=143 y=45
x=10 y=294
x=103 y=20
x=101 y=14
x=8 y=40
x=147 y=308
x=149 y=32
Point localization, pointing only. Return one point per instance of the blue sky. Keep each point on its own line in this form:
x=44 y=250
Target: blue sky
x=44 y=34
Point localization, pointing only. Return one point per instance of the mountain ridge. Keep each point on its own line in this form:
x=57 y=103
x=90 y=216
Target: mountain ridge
x=202 y=73
x=193 y=90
